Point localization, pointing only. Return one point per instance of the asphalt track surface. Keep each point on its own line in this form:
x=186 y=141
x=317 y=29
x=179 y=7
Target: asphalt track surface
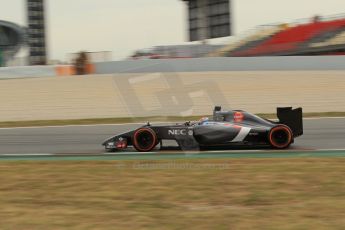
x=319 y=134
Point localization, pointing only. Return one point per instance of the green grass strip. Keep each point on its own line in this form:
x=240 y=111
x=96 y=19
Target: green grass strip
x=185 y=156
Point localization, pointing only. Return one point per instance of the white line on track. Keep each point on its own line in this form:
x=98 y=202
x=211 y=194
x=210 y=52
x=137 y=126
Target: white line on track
x=129 y=153
x=181 y=152
x=320 y=150
x=27 y=155
x=321 y=118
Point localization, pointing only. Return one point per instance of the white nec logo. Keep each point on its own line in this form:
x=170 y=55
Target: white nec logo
x=177 y=132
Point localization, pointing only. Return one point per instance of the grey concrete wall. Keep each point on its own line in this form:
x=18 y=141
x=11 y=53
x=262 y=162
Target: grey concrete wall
x=27 y=72
x=169 y=94
x=312 y=63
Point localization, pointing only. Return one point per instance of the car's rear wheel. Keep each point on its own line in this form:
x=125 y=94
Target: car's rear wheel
x=280 y=137
x=144 y=140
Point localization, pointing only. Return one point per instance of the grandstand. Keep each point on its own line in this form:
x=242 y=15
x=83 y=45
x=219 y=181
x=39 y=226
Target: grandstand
x=317 y=37
x=259 y=34
x=336 y=40
x=176 y=51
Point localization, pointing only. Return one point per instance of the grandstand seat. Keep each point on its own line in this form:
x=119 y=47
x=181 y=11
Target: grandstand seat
x=289 y=39
x=260 y=35
x=336 y=40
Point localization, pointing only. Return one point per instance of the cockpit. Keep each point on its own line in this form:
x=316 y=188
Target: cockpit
x=219 y=115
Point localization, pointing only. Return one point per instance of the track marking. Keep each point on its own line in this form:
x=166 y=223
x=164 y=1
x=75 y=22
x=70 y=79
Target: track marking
x=307 y=152
x=139 y=157
x=130 y=153
x=321 y=150
x=320 y=118
x=27 y=154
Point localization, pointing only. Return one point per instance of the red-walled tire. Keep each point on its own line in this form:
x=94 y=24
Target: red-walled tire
x=144 y=140
x=280 y=137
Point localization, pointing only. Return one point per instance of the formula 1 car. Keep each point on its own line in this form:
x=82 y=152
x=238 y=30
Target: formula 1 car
x=225 y=130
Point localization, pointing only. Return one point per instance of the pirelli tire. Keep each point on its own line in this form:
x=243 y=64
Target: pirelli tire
x=144 y=139
x=280 y=137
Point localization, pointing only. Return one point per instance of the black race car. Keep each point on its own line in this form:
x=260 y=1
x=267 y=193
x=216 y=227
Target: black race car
x=225 y=130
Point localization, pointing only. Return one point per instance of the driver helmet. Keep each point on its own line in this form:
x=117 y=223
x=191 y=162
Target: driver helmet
x=203 y=120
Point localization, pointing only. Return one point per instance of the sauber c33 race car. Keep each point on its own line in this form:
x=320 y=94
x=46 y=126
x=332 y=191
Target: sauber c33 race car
x=225 y=130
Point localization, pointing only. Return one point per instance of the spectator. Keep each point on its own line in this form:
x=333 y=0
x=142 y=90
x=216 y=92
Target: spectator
x=81 y=63
x=316 y=18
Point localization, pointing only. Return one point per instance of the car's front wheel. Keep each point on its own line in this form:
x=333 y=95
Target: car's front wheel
x=144 y=140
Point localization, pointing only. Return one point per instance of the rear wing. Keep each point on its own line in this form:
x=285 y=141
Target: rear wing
x=292 y=118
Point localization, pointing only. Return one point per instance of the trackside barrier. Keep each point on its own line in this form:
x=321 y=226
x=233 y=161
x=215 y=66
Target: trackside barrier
x=68 y=70
x=64 y=70
x=41 y=71
x=314 y=63
x=223 y=64
x=27 y=72
x=166 y=94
